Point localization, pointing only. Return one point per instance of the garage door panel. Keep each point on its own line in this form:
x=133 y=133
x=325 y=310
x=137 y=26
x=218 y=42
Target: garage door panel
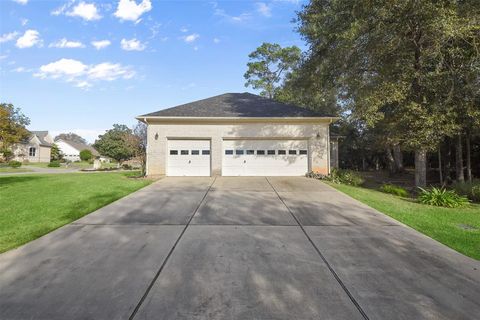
x=265 y=158
x=188 y=158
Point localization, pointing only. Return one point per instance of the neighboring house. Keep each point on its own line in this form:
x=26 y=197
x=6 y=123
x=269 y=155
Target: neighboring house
x=36 y=148
x=71 y=150
x=237 y=134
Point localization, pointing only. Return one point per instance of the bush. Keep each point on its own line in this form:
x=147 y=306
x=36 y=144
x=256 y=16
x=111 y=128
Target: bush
x=14 y=164
x=127 y=167
x=468 y=189
x=346 y=177
x=86 y=155
x=441 y=197
x=395 y=190
x=54 y=164
x=339 y=176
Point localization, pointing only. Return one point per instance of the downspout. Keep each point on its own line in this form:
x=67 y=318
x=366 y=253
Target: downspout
x=146 y=149
x=328 y=146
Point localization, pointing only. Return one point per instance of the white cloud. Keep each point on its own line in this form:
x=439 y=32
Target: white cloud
x=86 y=11
x=131 y=11
x=61 y=10
x=29 y=39
x=101 y=44
x=264 y=9
x=191 y=38
x=216 y=40
x=64 y=43
x=3 y=57
x=183 y=29
x=8 y=36
x=82 y=75
x=24 y=21
x=21 y=69
x=23 y=2
x=234 y=19
x=63 y=68
x=108 y=72
x=132 y=45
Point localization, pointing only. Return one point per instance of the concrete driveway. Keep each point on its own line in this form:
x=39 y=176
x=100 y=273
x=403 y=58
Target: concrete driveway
x=237 y=248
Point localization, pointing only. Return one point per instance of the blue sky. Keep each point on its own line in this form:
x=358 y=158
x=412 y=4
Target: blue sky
x=83 y=65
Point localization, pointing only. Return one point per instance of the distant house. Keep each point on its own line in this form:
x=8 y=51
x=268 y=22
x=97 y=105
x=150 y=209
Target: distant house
x=36 y=148
x=71 y=150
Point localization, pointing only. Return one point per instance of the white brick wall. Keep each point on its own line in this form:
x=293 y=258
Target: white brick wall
x=315 y=132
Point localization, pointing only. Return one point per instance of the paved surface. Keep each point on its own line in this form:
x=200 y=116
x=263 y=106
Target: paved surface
x=237 y=248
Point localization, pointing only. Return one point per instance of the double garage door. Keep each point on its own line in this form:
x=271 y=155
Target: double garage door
x=239 y=158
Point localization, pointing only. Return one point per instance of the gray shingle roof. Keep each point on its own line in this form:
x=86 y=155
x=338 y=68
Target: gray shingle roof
x=81 y=146
x=242 y=105
x=41 y=136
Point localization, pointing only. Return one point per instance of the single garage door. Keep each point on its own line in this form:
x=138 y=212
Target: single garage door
x=188 y=158
x=265 y=157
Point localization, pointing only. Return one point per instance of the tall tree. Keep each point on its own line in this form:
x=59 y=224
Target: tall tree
x=137 y=142
x=113 y=143
x=268 y=66
x=383 y=59
x=73 y=137
x=12 y=127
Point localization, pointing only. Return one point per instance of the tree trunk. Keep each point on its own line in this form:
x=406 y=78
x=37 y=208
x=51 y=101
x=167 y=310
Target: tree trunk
x=390 y=160
x=420 y=168
x=398 y=157
x=448 y=163
x=469 y=160
x=459 y=159
x=440 y=165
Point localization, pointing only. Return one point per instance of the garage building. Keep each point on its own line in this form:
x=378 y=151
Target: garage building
x=237 y=134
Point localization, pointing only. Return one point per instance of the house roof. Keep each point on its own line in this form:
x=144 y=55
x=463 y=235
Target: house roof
x=41 y=136
x=81 y=146
x=236 y=105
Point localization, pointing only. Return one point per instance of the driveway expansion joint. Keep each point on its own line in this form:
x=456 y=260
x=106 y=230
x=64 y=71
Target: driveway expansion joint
x=152 y=283
x=335 y=275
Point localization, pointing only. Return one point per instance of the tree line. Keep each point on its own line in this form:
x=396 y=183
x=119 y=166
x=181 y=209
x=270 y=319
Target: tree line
x=403 y=75
x=120 y=143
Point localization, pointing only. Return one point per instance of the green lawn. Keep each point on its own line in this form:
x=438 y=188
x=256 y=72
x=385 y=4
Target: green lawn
x=13 y=170
x=441 y=224
x=33 y=205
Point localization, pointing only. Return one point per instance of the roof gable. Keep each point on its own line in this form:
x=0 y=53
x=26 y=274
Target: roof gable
x=236 y=105
x=81 y=146
x=42 y=137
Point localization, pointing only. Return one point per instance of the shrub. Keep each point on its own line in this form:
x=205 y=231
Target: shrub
x=339 y=176
x=54 y=164
x=468 y=189
x=127 y=167
x=346 y=177
x=441 y=197
x=86 y=155
x=395 y=190
x=15 y=164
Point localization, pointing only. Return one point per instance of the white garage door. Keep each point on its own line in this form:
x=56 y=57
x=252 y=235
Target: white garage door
x=265 y=157
x=188 y=158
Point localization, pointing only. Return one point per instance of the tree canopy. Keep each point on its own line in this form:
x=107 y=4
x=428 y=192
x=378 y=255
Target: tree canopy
x=114 y=143
x=12 y=125
x=73 y=137
x=268 y=65
x=408 y=68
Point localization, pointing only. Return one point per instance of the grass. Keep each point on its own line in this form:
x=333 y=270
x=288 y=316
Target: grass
x=33 y=205
x=446 y=225
x=71 y=165
x=13 y=170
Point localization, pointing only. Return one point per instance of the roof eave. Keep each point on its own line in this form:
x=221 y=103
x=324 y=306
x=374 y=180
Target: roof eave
x=146 y=119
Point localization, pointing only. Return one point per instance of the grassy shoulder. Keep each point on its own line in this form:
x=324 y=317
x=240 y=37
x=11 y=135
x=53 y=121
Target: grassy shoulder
x=33 y=205
x=13 y=170
x=458 y=228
